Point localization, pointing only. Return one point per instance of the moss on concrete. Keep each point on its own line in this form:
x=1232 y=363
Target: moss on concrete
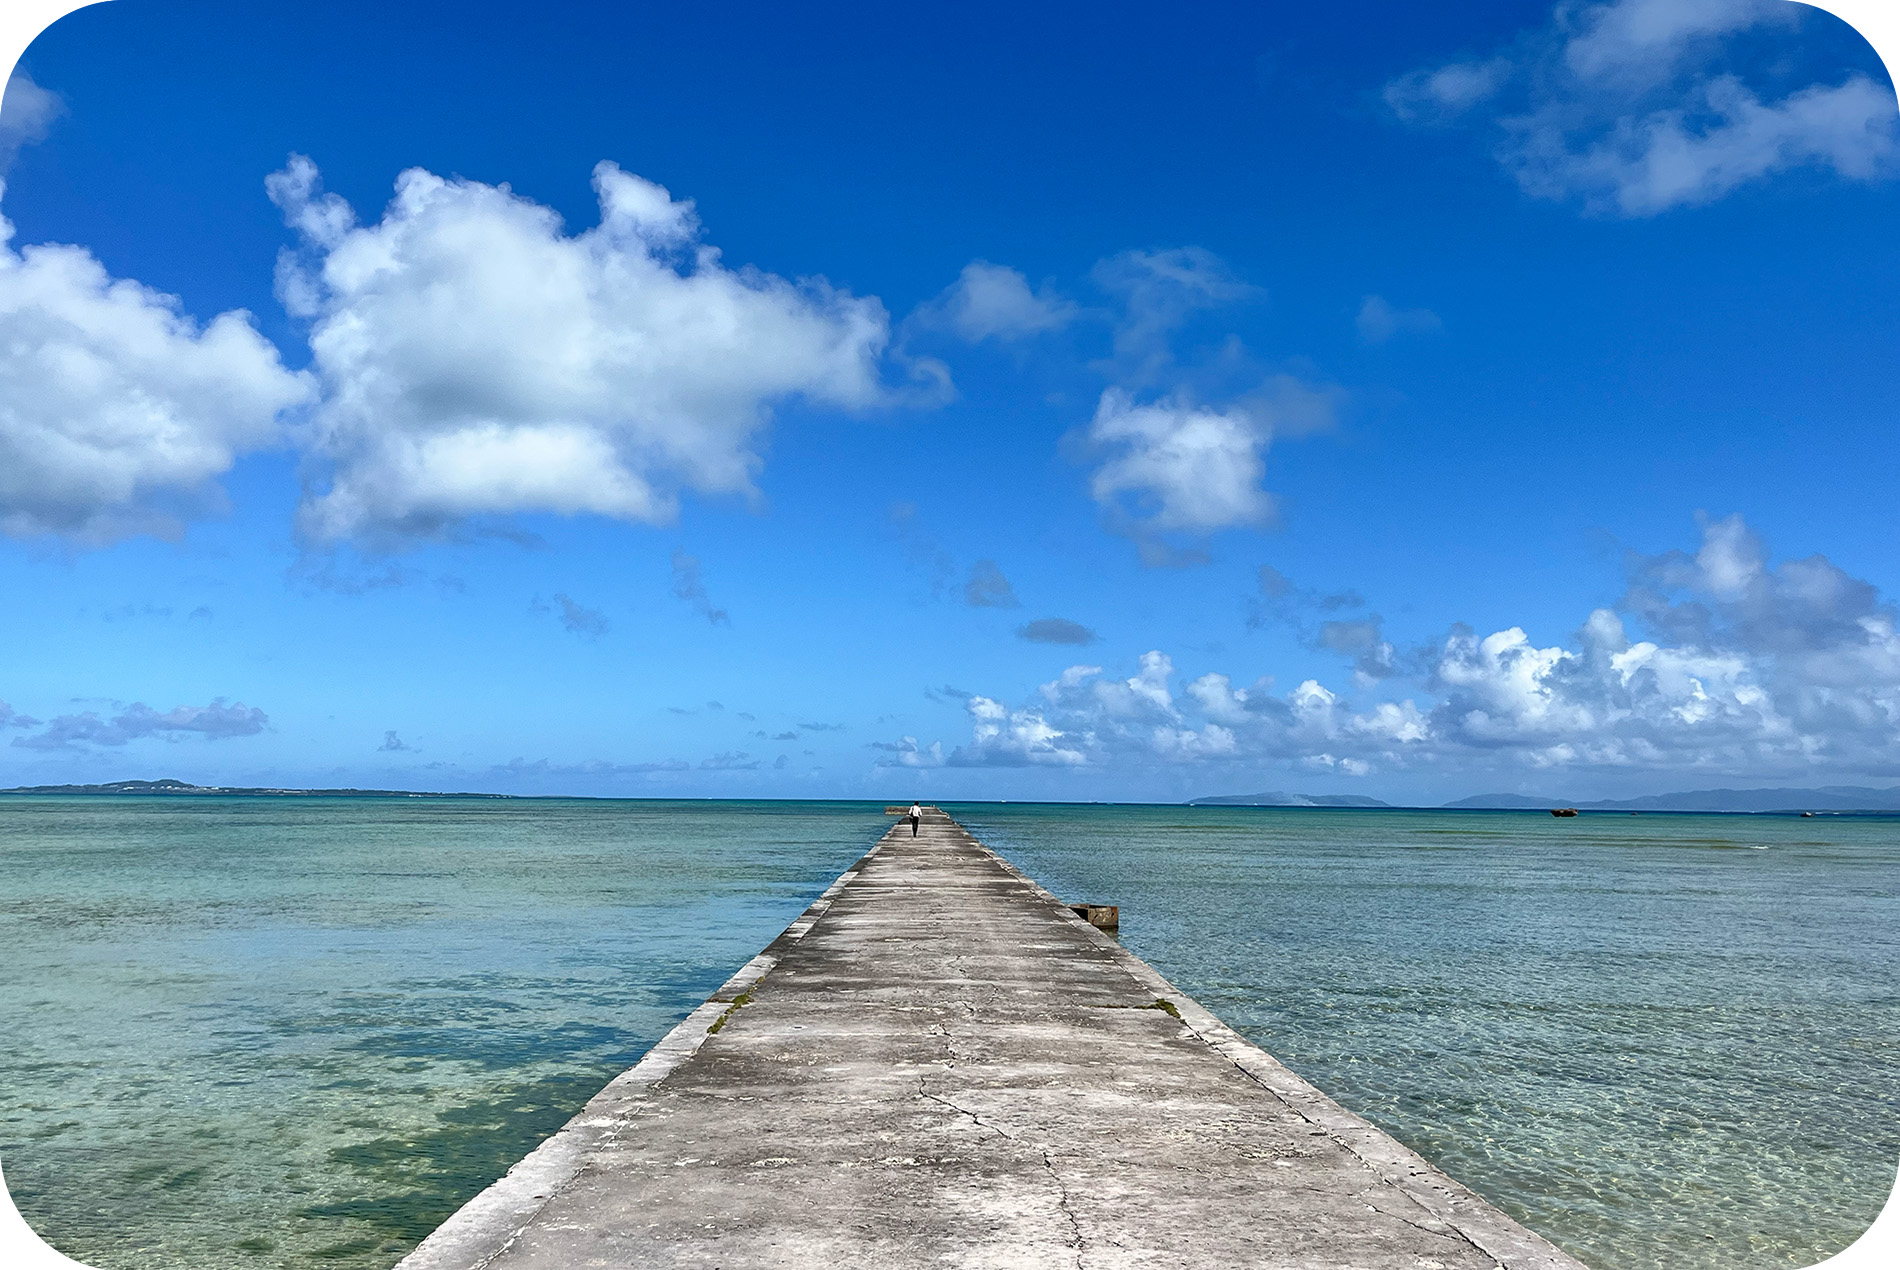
x=743 y=999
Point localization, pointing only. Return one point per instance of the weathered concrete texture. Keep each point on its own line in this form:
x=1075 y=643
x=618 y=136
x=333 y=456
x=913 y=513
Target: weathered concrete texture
x=941 y=1065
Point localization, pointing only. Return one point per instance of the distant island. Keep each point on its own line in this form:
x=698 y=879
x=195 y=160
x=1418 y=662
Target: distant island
x=1829 y=798
x=169 y=788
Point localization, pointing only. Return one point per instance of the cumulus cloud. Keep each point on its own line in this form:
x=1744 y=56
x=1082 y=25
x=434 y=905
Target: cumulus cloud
x=215 y=722
x=1378 y=321
x=1178 y=466
x=987 y=588
x=1056 y=630
x=995 y=302
x=476 y=360
x=118 y=412
x=688 y=586
x=1633 y=107
x=393 y=744
x=1002 y=737
x=1177 y=471
x=27 y=113
x=1715 y=661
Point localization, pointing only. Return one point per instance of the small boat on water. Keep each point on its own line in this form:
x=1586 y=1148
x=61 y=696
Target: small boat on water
x=1563 y=811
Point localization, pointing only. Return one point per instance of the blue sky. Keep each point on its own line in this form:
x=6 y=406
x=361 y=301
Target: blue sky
x=1083 y=402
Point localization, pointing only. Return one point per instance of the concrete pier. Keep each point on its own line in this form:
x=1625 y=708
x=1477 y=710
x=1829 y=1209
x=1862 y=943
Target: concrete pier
x=940 y=1064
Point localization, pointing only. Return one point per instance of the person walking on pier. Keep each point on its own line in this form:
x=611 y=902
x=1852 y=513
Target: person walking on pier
x=916 y=814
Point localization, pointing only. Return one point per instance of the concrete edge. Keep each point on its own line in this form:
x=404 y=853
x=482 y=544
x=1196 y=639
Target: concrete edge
x=1493 y=1232
x=486 y=1226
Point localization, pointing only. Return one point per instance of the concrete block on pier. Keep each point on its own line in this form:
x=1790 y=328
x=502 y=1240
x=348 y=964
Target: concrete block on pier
x=1103 y=916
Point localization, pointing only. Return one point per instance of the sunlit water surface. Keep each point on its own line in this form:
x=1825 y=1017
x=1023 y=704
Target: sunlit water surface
x=299 y=1033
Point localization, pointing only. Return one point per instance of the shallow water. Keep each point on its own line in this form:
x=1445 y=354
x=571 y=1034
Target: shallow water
x=287 y=1033
x=1662 y=1041
x=294 y=1033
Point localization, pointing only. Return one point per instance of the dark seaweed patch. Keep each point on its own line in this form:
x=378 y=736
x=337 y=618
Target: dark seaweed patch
x=412 y=1183
x=497 y=1047
x=344 y=1251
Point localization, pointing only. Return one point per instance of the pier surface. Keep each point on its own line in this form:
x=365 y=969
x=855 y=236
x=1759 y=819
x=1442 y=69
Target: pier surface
x=940 y=1065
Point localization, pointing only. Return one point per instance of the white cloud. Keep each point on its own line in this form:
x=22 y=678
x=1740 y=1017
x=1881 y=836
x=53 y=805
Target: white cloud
x=1174 y=467
x=27 y=112
x=1723 y=138
x=1625 y=106
x=1378 y=321
x=1442 y=94
x=478 y=361
x=995 y=302
x=117 y=411
x=1083 y=718
x=1749 y=669
x=1178 y=466
x=1643 y=40
x=1001 y=737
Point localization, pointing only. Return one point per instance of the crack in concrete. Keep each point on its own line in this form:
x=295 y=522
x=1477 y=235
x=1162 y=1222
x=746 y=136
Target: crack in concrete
x=1445 y=1230
x=965 y=1111
x=1062 y=1202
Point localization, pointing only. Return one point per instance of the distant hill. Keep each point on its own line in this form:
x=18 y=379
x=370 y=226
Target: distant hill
x=170 y=788
x=1826 y=798
x=1277 y=799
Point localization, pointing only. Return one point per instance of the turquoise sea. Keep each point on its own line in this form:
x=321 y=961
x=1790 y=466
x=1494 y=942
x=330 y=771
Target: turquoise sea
x=299 y=1032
